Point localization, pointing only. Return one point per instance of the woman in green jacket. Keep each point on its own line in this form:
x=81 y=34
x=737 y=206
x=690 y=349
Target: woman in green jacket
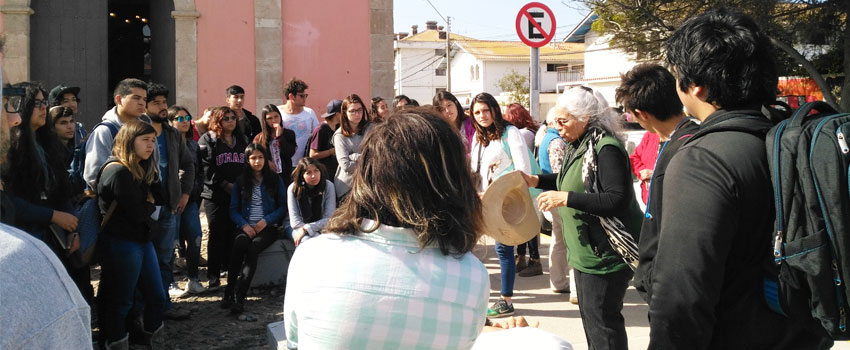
x=601 y=219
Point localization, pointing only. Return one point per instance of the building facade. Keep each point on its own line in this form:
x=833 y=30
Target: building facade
x=200 y=47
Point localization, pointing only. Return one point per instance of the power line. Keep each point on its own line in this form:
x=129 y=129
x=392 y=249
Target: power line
x=438 y=11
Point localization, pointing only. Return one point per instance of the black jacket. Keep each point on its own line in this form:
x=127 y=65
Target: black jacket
x=131 y=219
x=221 y=164
x=714 y=242
x=250 y=125
x=651 y=224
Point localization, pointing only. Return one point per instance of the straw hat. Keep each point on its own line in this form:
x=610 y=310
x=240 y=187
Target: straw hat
x=509 y=213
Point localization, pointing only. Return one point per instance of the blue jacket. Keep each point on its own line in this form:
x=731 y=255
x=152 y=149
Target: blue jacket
x=543 y=153
x=274 y=209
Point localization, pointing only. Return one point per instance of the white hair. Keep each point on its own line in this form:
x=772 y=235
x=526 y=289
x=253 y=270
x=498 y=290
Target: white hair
x=588 y=105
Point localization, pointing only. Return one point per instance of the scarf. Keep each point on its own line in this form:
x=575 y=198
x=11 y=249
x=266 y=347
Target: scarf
x=622 y=241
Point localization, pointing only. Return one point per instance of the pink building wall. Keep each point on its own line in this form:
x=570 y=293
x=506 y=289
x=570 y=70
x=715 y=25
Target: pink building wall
x=326 y=44
x=225 y=52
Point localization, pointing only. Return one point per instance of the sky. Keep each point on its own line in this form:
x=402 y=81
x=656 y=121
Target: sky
x=482 y=19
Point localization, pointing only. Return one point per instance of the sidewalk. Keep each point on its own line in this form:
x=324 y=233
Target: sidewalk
x=534 y=300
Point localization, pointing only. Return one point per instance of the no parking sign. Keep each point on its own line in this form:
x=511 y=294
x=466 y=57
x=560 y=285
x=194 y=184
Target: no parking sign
x=535 y=24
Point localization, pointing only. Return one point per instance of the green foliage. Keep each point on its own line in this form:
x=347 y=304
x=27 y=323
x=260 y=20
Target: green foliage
x=517 y=85
x=641 y=27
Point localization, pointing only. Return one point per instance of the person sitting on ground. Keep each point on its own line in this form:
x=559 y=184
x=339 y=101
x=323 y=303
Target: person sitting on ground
x=404 y=234
x=311 y=199
x=257 y=205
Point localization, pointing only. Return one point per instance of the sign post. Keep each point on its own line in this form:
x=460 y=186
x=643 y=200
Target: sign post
x=535 y=25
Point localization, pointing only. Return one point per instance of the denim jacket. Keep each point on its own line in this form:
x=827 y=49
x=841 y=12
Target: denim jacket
x=274 y=209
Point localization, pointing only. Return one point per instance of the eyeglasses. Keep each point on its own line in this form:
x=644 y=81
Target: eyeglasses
x=228 y=118
x=562 y=122
x=302 y=95
x=187 y=118
x=355 y=111
x=40 y=103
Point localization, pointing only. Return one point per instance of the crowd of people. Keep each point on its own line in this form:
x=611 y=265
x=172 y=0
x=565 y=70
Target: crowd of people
x=394 y=191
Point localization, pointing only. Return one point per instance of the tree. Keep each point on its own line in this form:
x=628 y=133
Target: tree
x=812 y=34
x=517 y=85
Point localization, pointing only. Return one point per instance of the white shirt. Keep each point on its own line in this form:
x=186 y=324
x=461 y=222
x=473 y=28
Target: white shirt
x=302 y=124
x=494 y=154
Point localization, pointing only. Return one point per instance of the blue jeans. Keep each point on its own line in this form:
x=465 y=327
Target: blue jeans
x=164 y=242
x=190 y=230
x=507 y=263
x=129 y=265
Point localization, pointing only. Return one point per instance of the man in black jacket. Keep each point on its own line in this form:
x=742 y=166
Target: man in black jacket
x=717 y=213
x=248 y=122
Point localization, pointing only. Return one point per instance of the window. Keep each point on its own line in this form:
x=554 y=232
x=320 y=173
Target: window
x=476 y=73
x=440 y=52
x=550 y=67
x=441 y=72
x=471 y=73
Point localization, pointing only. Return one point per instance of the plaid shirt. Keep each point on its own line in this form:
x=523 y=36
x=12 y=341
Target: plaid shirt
x=379 y=291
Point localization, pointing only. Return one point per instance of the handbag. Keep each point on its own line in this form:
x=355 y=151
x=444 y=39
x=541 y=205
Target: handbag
x=535 y=168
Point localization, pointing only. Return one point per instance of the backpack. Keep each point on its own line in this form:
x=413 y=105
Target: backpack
x=78 y=160
x=809 y=161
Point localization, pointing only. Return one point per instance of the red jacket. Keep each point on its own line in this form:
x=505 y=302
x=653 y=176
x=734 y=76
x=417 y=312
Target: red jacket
x=644 y=158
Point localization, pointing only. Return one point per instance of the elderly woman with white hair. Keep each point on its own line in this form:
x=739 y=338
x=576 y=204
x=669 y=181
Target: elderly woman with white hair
x=600 y=217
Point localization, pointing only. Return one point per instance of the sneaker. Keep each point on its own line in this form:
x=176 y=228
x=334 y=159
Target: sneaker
x=174 y=291
x=500 y=308
x=214 y=284
x=561 y=291
x=534 y=268
x=176 y=313
x=194 y=286
x=521 y=263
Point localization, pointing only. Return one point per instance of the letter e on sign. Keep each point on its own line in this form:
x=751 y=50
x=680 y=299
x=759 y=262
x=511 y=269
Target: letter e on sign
x=535 y=24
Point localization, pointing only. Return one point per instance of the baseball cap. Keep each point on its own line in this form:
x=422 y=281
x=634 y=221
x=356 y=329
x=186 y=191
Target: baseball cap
x=55 y=96
x=333 y=108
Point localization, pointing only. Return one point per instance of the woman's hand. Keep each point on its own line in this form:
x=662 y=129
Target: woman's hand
x=552 y=199
x=66 y=221
x=645 y=174
x=261 y=225
x=530 y=180
x=249 y=231
x=298 y=234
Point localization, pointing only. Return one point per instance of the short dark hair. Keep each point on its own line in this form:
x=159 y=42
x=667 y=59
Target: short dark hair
x=650 y=88
x=156 y=89
x=411 y=175
x=397 y=99
x=294 y=86
x=125 y=87
x=234 y=89
x=728 y=54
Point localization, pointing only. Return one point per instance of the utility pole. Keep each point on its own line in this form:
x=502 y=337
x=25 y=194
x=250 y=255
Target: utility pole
x=448 y=55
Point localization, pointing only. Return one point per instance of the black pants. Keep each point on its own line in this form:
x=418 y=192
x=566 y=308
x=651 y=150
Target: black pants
x=600 y=303
x=243 y=259
x=221 y=236
x=533 y=248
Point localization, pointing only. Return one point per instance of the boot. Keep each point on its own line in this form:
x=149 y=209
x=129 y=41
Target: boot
x=152 y=338
x=534 y=268
x=521 y=263
x=120 y=344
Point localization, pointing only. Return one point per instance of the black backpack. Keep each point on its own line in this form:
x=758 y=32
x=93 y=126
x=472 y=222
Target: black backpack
x=809 y=162
x=78 y=160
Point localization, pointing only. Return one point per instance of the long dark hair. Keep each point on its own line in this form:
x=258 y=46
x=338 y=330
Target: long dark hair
x=447 y=96
x=495 y=130
x=267 y=134
x=299 y=186
x=28 y=180
x=172 y=114
x=345 y=125
x=410 y=175
x=247 y=181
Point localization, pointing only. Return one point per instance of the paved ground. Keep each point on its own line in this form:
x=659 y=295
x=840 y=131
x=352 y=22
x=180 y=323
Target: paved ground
x=534 y=300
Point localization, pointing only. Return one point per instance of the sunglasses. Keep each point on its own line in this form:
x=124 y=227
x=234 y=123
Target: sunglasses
x=228 y=118
x=186 y=118
x=14 y=97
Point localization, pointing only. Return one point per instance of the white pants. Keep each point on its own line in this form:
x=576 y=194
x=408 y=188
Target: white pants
x=558 y=268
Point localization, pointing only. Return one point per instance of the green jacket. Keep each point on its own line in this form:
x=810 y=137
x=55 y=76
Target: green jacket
x=586 y=240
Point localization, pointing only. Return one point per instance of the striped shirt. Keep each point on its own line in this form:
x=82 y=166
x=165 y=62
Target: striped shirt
x=255 y=211
x=378 y=290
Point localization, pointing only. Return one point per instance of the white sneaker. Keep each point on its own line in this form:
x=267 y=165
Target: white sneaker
x=174 y=291
x=194 y=286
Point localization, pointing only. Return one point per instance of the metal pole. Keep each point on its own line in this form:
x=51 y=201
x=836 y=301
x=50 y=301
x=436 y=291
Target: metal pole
x=448 y=55
x=534 y=87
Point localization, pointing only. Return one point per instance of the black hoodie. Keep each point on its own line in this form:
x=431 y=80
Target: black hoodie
x=221 y=164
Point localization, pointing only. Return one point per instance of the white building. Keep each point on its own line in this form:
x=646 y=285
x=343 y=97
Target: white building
x=602 y=63
x=476 y=65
